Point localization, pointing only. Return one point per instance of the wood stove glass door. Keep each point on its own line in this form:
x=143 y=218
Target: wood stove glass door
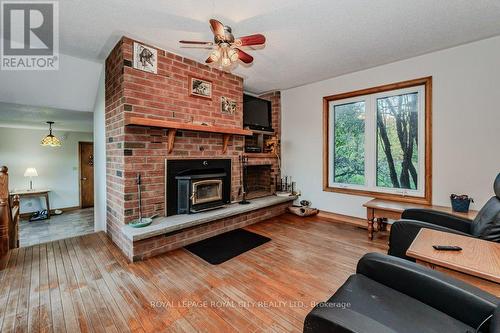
x=206 y=191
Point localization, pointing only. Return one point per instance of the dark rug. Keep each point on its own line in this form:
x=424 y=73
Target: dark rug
x=223 y=247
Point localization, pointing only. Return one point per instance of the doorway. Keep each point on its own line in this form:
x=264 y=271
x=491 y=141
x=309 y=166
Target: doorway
x=86 y=158
x=48 y=178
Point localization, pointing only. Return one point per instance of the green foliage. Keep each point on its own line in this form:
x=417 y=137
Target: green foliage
x=397 y=142
x=349 y=145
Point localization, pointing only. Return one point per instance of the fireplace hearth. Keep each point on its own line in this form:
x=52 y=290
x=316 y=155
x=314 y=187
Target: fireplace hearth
x=194 y=186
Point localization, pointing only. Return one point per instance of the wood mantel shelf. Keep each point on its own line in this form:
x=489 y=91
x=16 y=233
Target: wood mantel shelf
x=260 y=155
x=173 y=126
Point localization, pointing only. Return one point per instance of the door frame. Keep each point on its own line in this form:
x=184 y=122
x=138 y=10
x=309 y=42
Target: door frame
x=80 y=171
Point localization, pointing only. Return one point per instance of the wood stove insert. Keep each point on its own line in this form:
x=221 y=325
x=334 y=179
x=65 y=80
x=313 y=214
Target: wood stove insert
x=194 y=186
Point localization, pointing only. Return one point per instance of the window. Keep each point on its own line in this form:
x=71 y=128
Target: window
x=349 y=155
x=377 y=142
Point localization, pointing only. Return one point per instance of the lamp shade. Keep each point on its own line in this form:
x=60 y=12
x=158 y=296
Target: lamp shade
x=50 y=140
x=30 y=172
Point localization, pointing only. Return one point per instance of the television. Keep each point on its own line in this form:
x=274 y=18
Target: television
x=257 y=113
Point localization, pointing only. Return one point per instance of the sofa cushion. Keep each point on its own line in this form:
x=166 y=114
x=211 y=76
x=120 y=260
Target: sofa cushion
x=363 y=305
x=486 y=225
x=487 y=222
x=496 y=186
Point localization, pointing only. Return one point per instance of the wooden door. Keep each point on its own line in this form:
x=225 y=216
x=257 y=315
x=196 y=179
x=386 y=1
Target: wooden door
x=86 y=150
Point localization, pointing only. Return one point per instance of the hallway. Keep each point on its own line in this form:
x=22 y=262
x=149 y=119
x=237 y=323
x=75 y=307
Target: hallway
x=68 y=224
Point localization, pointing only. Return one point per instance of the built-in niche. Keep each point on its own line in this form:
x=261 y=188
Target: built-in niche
x=258 y=180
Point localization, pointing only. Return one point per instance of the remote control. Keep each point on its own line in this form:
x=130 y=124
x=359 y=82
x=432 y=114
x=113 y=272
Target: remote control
x=447 y=248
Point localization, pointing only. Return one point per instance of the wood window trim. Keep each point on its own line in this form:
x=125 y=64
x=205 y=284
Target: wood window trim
x=427 y=83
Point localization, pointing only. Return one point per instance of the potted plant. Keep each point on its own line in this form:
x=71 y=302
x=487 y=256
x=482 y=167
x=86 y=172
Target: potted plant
x=460 y=203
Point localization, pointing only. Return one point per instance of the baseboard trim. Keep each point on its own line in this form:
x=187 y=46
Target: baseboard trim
x=344 y=219
x=65 y=209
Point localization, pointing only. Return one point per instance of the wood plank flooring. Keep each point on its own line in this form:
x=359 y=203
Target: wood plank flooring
x=84 y=284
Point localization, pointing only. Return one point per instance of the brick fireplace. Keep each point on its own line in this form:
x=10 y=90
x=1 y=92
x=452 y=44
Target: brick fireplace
x=131 y=150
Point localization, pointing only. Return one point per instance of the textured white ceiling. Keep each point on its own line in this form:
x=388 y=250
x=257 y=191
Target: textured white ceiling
x=35 y=117
x=306 y=40
x=72 y=87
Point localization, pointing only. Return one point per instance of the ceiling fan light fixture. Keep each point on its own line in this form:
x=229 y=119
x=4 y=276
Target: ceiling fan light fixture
x=225 y=62
x=215 y=55
x=233 y=55
x=227 y=50
x=50 y=140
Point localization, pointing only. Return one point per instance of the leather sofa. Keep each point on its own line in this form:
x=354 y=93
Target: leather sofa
x=389 y=294
x=486 y=225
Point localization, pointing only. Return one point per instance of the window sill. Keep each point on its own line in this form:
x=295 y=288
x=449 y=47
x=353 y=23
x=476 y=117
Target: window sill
x=381 y=195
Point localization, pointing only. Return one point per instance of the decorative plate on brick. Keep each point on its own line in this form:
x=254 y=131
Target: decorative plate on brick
x=228 y=106
x=145 y=58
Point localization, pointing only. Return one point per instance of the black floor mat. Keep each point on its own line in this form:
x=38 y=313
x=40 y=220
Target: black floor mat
x=226 y=246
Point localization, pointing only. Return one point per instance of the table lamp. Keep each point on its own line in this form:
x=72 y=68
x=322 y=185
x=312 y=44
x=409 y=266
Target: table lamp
x=31 y=172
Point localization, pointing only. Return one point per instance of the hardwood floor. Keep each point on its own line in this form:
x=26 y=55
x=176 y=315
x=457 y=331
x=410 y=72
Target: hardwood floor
x=85 y=284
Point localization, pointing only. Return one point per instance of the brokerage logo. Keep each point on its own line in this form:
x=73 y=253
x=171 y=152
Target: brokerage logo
x=30 y=35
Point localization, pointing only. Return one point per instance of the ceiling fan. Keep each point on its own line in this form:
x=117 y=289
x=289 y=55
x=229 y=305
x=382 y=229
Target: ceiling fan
x=227 y=48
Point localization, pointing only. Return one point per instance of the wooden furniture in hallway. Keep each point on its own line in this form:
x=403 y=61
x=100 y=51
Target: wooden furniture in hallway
x=42 y=193
x=9 y=218
x=478 y=263
x=86 y=284
x=379 y=211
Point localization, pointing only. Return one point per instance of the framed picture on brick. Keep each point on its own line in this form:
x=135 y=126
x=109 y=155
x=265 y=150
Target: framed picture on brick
x=145 y=58
x=227 y=105
x=200 y=87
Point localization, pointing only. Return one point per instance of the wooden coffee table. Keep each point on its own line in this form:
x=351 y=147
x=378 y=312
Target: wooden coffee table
x=379 y=211
x=478 y=263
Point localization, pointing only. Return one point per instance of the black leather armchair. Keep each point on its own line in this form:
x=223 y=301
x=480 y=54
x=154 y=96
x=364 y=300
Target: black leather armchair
x=389 y=294
x=486 y=225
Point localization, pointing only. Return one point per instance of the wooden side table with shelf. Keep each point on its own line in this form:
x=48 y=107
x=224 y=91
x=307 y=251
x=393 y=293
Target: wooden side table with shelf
x=33 y=193
x=380 y=211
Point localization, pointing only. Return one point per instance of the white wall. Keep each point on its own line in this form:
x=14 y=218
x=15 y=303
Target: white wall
x=466 y=123
x=57 y=167
x=99 y=159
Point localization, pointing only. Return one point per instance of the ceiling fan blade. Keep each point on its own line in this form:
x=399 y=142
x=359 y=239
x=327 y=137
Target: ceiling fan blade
x=245 y=57
x=195 y=42
x=217 y=28
x=256 y=39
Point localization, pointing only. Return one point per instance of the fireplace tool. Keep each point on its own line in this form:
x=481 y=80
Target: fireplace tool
x=285 y=188
x=141 y=221
x=243 y=170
